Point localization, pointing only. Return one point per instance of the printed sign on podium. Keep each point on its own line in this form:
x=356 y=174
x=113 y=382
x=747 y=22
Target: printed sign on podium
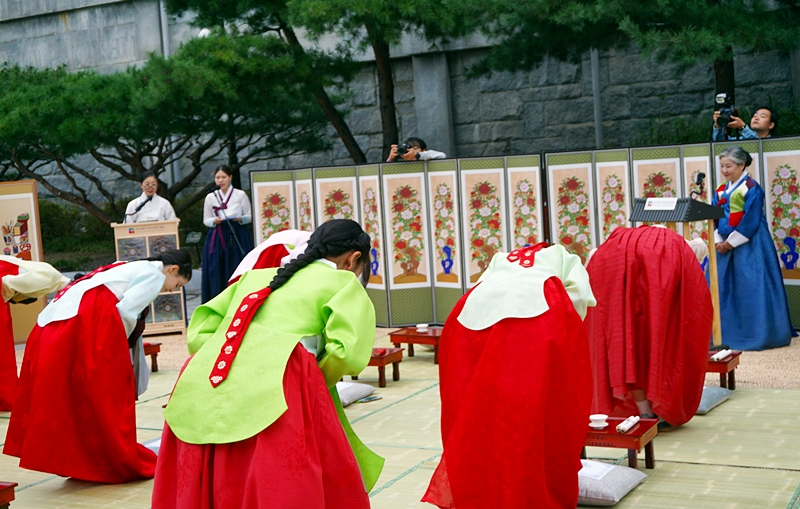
x=135 y=241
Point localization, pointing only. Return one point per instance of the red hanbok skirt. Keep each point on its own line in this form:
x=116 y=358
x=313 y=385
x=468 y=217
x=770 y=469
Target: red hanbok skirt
x=301 y=461
x=515 y=409
x=8 y=358
x=651 y=327
x=74 y=412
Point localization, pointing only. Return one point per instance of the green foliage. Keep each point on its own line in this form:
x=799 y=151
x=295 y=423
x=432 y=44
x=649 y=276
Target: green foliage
x=682 y=31
x=675 y=131
x=68 y=228
x=245 y=96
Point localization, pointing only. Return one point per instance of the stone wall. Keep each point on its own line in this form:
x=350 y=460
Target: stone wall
x=546 y=109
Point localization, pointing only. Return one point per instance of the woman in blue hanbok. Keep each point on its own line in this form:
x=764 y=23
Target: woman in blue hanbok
x=753 y=305
x=225 y=212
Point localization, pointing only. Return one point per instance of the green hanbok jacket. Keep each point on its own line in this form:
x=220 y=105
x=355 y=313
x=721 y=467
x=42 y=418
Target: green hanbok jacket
x=327 y=309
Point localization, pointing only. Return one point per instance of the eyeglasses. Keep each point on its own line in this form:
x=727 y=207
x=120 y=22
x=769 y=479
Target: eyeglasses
x=150 y=184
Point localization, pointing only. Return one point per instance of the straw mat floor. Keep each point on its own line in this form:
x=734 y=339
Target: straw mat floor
x=743 y=454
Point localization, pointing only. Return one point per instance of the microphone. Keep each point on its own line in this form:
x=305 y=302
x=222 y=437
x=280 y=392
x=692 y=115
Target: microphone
x=214 y=189
x=700 y=177
x=139 y=207
x=700 y=183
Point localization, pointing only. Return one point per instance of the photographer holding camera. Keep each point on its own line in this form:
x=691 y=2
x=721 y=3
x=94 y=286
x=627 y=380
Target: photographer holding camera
x=414 y=149
x=762 y=125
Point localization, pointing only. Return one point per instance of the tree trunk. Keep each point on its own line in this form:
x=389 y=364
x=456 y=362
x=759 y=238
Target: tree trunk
x=330 y=110
x=233 y=163
x=385 y=88
x=724 y=79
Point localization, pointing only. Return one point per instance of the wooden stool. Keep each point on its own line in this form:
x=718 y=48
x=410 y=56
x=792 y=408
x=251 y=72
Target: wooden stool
x=152 y=350
x=6 y=494
x=411 y=336
x=640 y=435
x=726 y=366
x=380 y=358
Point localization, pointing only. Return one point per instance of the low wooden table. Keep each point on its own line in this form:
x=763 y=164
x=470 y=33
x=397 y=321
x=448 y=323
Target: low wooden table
x=641 y=435
x=412 y=337
x=726 y=366
x=380 y=358
x=6 y=494
x=152 y=350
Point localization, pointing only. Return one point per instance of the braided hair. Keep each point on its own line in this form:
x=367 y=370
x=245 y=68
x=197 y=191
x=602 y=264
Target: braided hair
x=334 y=238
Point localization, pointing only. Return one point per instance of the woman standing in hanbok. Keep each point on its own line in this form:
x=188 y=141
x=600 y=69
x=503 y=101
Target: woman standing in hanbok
x=225 y=212
x=753 y=304
x=74 y=411
x=516 y=385
x=252 y=421
x=149 y=206
x=20 y=280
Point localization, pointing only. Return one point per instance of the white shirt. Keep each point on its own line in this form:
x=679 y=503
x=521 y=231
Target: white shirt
x=237 y=205
x=157 y=209
x=136 y=285
x=431 y=154
x=295 y=242
x=508 y=290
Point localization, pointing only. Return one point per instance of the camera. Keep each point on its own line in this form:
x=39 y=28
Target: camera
x=402 y=149
x=724 y=104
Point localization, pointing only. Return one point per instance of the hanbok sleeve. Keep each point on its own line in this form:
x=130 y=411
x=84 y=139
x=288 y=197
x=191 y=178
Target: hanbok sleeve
x=206 y=319
x=208 y=211
x=349 y=333
x=169 y=212
x=141 y=292
x=751 y=219
x=129 y=212
x=247 y=210
x=35 y=280
x=576 y=282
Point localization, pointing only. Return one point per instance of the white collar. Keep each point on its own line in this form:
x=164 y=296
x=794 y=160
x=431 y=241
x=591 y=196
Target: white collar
x=225 y=196
x=327 y=262
x=734 y=184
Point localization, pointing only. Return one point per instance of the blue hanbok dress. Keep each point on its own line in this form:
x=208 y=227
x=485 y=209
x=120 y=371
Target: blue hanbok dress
x=753 y=305
x=227 y=243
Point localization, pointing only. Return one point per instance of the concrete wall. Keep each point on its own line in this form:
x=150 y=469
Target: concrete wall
x=546 y=109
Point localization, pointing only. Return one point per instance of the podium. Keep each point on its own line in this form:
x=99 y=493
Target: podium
x=136 y=241
x=686 y=210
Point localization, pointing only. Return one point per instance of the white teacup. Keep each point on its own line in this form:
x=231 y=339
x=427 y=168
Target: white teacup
x=422 y=327
x=598 y=420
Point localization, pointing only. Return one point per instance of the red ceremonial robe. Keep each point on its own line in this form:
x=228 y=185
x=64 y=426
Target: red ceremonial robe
x=74 y=413
x=652 y=324
x=281 y=464
x=515 y=405
x=269 y=258
x=8 y=358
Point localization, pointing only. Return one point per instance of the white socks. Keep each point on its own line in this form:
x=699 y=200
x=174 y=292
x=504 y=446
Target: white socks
x=644 y=408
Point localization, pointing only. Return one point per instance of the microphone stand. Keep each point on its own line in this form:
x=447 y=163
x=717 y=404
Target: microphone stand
x=140 y=206
x=230 y=226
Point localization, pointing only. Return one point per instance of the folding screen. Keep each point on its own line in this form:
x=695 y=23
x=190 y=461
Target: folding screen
x=613 y=190
x=336 y=194
x=273 y=203
x=304 y=198
x=407 y=243
x=657 y=173
x=525 y=201
x=483 y=213
x=19 y=218
x=782 y=201
x=696 y=160
x=372 y=222
x=572 y=211
x=448 y=279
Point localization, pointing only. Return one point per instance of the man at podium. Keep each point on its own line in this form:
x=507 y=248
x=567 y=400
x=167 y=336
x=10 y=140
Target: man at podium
x=149 y=206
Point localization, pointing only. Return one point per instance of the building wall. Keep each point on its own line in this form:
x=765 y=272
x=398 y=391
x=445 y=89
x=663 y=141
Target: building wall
x=546 y=109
